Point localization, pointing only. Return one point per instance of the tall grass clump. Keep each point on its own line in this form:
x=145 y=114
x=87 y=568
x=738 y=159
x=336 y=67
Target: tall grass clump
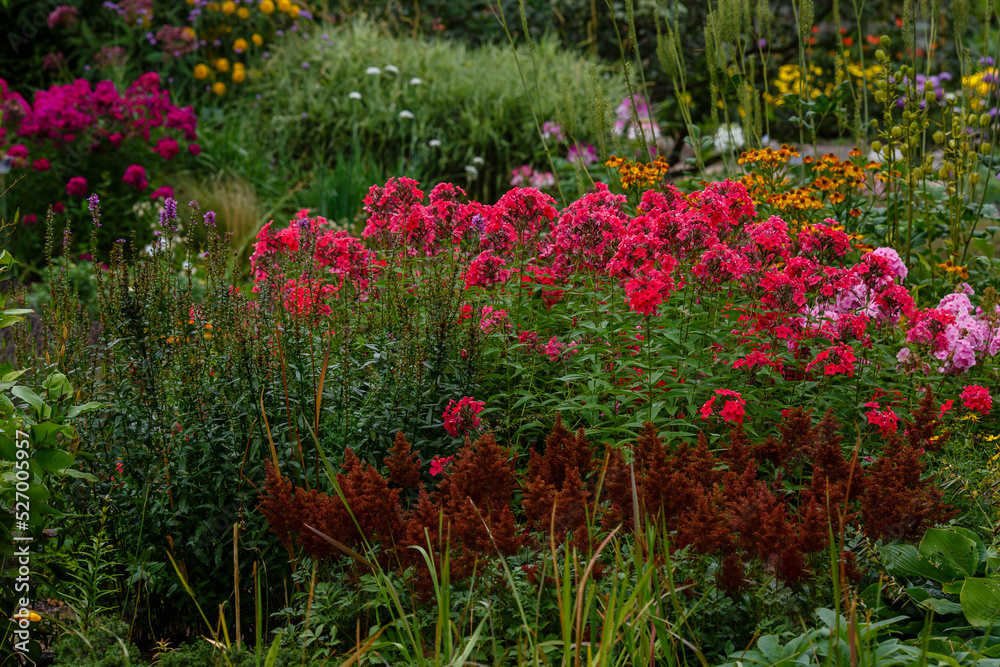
x=432 y=110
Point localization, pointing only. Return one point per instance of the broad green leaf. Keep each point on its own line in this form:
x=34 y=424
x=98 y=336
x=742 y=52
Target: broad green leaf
x=946 y=549
x=903 y=560
x=53 y=459
x=79 y=474
x=981 y=601
x=29 y=397
x=78 y=410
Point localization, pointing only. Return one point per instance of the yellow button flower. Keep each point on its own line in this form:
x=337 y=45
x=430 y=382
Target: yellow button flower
x=188 y=33
x=201 y=71
x=294 y=10
x=218 y=88
x=228 y=7
x=284 y=5
x=222 y=65
x=243 y=13
x=240 y=45
x=267 y=6
x=257 y=40
x=239 y=75
x=212 y=6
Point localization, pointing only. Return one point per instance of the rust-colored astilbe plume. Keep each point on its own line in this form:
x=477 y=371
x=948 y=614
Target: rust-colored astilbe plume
x=740 y=452
x=548 y=473
x=897 y=501
x=705 y=526
x=796 y=436
x=276 y=505
x=836 y=482
x=671 y=480
x=403 y=464
x=375 y=507
x=919 y=433
x=471 y=503
x=288 y=508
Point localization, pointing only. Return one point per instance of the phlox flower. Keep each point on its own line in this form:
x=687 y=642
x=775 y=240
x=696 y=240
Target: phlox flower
x=462 y=416
x=733 y=411
x=587 y=233
x=493 y=318
x=438 y=464
x=77 y=187
x=647 y=289
x=886 y=420
x=977 y=399
x=844 y=364
x=486 y=270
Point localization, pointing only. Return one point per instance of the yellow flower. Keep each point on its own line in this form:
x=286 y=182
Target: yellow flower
x=218 y=88
x=30 y=615
x=267 y=6
x=201 y=71
x=190 y=2
x=222 y=65
x=284 y=5
x=240 y=45
x=257 y=39
x=243 y=13
x=239 y=75
x=212 y=6
x=294 y=11
x=228 y=7
x=188 y=32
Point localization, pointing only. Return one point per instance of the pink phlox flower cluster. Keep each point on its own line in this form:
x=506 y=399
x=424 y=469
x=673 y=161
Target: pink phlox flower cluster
x=305 y=297
x=824 y=242
x=650 y=285
x=491 y=318
x=439 y=463
x=955 y=333
x=634 y=119
x=487 y=270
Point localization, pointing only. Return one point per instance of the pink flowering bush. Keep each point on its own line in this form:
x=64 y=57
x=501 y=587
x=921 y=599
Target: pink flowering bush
x=69 y=136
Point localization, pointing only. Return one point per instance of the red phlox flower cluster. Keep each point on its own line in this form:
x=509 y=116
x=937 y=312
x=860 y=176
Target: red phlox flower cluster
x=732 y=411
x=463 y=416
x=844 y=364
x=977 y=398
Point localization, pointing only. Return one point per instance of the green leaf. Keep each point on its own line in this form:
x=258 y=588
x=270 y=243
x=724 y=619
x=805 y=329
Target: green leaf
x=903 y=560
x=45 y=432
x=946 y=549
x=981 y=601
x=57 y=386
x=29 y=397
x=79 y=474
x=53 y=459
x=78 y=410
x=37 y=493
